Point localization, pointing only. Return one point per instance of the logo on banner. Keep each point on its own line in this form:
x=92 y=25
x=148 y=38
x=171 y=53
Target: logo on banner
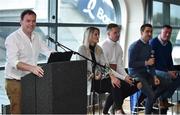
x=91 y=5
x=96 y=10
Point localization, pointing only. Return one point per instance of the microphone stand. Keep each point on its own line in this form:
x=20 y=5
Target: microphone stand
x=93 y=68
x=93 y=86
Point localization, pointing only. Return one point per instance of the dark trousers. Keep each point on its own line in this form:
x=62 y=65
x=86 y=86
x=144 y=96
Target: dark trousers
x=118 y=95
x=103 y=86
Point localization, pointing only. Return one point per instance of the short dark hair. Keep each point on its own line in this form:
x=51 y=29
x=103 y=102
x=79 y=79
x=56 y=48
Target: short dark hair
x=144 y=26
x=28 y=11
x=167 y=26
x=112 y=25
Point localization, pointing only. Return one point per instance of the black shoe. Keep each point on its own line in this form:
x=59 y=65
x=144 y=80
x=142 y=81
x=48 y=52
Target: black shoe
x=155 y=111
x=178 y=101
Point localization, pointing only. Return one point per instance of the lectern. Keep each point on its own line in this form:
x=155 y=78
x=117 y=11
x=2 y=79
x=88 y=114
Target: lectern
x=62 y=90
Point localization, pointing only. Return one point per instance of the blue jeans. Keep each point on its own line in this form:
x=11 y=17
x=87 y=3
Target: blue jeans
x=147 y=82
x=171 y=84
x=151 y=91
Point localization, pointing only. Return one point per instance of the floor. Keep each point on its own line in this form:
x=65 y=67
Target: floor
x=175 y=110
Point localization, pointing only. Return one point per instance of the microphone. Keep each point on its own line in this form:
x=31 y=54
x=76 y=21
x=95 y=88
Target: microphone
x=135 y=80
x=152 y=53
x=51 y=39
x=55 y=42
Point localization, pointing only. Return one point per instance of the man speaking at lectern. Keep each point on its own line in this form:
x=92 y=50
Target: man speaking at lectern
x=22 y=50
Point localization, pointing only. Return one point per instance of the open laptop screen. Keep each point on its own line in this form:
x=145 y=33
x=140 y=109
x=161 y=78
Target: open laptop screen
x=60 y=56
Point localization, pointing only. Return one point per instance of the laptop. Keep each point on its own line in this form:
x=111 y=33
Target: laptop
x=60 y=56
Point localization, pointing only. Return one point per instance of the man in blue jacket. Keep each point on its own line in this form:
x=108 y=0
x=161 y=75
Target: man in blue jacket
x=164 y=64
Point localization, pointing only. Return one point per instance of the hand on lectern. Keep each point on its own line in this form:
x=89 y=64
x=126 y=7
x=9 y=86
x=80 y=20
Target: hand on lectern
x=37 y=70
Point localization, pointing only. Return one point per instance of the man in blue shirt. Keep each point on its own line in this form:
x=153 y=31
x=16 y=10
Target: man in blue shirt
x=164 y=64
x=141 y=65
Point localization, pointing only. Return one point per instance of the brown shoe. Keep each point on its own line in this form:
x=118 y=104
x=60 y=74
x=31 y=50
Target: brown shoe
x=167 y=104
x=164 y=104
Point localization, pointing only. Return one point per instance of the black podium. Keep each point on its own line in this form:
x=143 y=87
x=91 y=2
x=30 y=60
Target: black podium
x=62 y=89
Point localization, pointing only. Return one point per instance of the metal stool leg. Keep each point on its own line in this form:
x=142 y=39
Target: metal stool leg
x=137 y=103
x=177 y=100
x=99 y=103
x=89 y=104
x=159 y=106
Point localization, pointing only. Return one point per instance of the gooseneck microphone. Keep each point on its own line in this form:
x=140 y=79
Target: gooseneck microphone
x=56 y=43
x=50 y=39
x=64 y=47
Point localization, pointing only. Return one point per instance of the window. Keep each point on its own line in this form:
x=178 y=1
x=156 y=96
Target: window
x=157 y=13
x=176 y=46
x=161 y=17
x=175 y=22
x=70 y=35
x=174 y=17
x=10 y=10
x=73 y=16
x=86 y=11
x=4 y=32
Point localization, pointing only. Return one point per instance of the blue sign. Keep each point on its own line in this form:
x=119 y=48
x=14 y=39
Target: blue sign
x=97 y=10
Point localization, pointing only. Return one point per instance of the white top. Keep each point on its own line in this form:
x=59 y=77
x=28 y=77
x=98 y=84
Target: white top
x=99 y=59
x=19 y=48
x=114 y=54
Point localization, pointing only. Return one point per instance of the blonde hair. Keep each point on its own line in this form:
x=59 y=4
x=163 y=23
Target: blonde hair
x=88 y=35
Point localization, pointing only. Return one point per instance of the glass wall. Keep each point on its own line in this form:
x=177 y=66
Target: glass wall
x=86 y=11
x=175 y=37
x=63 y=20
x=174 y=17
x=71 y=17
x=75 y=15
x=74 y=35
x=165 y=12
x=157 y=13
x=10 y=10
x=4 y=32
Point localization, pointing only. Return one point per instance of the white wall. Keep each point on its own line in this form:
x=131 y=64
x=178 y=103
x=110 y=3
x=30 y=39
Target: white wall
x=132 y=18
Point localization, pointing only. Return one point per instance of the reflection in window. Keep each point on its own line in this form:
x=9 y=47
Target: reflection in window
x=157 y=13
x=86 y=11
x=174 y=17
